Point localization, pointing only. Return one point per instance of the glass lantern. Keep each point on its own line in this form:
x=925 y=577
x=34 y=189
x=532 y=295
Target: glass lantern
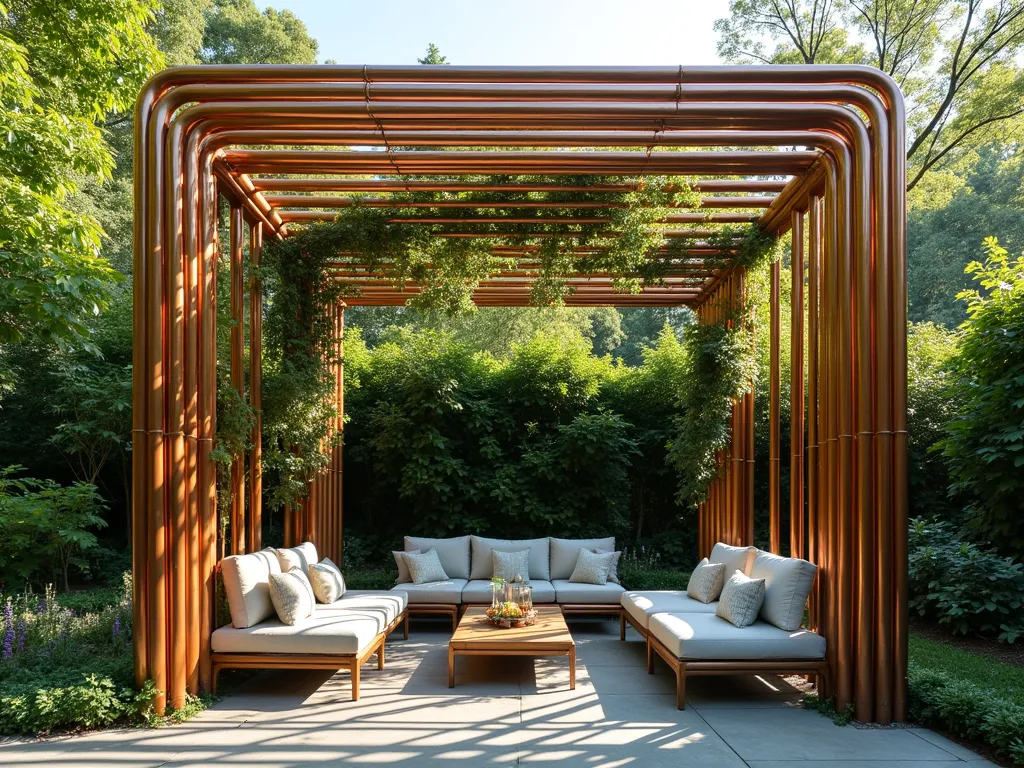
x=522 y=595
x=499 y=590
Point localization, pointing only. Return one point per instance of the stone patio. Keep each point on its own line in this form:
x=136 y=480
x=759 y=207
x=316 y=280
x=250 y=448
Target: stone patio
x=512 y=712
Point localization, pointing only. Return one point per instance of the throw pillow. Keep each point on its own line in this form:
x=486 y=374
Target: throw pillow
x=741 y=599
x=787 y=581
x=328 y=583
x=613 y=572
x=425 y=567
x=706 y=581
x=735 y=558
x=292 y=595
x=508 y=565
x=592 y=568
x=300 y=557
x=403 y=567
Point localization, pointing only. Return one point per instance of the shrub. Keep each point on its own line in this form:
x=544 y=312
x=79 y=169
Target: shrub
x=966 y=710
x=642 y=568
x=962 y=585
x=984 y=447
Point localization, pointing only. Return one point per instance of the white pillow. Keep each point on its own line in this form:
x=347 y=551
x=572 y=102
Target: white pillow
x=247 y=586
x=292 y=595
x=787 y=581
x=327 y=581
x=403 y=567
x=706 y=581
x=741 y=599
x=300 y=557
x=735 y=558
x=592 y=568
x=425 y=567
x=453 y=553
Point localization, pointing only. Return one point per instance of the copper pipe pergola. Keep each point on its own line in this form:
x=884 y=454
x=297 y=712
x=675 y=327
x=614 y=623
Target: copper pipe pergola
x=816 y=150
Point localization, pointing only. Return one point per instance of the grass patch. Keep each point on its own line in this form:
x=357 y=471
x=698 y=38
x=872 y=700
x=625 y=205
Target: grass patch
x=1004 y=680
x=370 y=578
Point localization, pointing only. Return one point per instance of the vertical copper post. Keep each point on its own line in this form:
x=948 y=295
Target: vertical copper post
x=774 y=376
x=254 y=533
x=813 y=511
x=237 y=373
x=796 y=391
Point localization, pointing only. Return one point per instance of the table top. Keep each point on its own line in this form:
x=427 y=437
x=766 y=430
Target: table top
x=548 y=632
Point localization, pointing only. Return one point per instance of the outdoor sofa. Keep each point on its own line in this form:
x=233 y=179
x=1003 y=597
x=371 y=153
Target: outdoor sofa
x=688 y=635
x=339 y=635
x=468 y=564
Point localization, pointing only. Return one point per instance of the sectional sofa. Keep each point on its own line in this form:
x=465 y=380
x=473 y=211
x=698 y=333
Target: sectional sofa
x=343 y=634
x=467 y=562
x=692 y=640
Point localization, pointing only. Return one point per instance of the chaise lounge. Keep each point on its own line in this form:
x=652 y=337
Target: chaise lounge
x=693 y=639
x=342 y=634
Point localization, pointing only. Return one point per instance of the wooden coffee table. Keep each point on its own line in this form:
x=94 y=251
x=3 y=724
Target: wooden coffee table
x=548 y=636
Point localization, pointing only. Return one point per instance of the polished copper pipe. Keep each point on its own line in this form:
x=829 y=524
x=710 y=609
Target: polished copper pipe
x=813 y=512
x=796 y=389
x=323 y=201
x=292 y=184
x=774 y=377
x=237 y=374
x=254 y=520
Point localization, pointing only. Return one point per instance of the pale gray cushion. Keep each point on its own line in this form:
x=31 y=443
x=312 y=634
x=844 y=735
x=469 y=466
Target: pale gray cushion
x=565 y=553
x=571 y=593
x=787 y=581
x=453 y=553
x=325 y=632
x=509 y=565
x=247 y=586
x=425 y=567
x=403 y=567
x=613 y=572
x=644 y=604
x=706 y=581
x=300 y=557
x=327 y=582
x=292 y=595
x=447 y=592
x=735 y=558
x=705 y=636
x=741 y=599
x=591 y=568
x=385 y=606
x=481 y=550
x=478 y=592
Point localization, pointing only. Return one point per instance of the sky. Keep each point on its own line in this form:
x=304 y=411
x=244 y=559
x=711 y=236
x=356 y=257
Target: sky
x=524 y=32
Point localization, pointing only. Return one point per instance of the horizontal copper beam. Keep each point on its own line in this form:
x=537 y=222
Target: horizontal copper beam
x=298 y=184
x=321 y=201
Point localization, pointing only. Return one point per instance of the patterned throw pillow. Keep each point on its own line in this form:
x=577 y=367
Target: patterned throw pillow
x=706 y=581
x=508 y=565
x=292 y=595
x=328 y=583
x=592 y=568
x=403 y=567
x=425 y=567
x=741 y=600
x=613 y=572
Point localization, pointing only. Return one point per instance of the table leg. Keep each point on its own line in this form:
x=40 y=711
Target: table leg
x=572 y=668
x=451 y=667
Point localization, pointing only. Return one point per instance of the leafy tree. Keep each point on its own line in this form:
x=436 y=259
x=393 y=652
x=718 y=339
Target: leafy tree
x=954 y=59
x=985 y=442
x=238 y=33
x=433 y=56
x=43 y=524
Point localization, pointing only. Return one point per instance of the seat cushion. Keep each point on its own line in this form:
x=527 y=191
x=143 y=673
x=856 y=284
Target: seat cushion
x=446 y=592
x=247 y=586
x=787 y=580
x=478 y=592
x=565 y=553
x=706 y=636
x=481 y=550
x=384 y=606
x=571 y=593
x=325 y=632
x=735 y=558
x=453 y=553
x=642 y=605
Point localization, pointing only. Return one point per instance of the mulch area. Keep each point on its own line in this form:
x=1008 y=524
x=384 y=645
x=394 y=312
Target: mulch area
x=989 y=648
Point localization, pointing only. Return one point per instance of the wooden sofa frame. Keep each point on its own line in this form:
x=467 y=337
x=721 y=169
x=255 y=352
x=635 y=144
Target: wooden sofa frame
x=684 y=667
x=353 y=662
